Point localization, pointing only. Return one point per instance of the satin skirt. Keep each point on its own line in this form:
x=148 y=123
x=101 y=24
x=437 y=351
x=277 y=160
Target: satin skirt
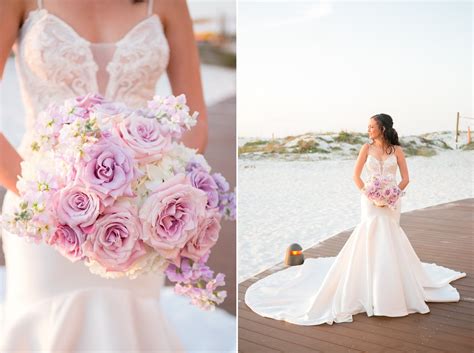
x=377 y=272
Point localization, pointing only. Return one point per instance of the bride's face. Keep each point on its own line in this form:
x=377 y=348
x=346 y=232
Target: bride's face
x=373 y=129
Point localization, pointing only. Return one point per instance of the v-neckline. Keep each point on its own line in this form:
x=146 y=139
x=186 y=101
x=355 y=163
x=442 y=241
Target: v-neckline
x=381 y=160
x=90 y=45
x=80 y=37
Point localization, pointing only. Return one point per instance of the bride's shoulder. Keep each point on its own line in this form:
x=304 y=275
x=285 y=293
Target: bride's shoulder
x=398 y=149
x=364 y=151
x=365 y=147
x=399 y=152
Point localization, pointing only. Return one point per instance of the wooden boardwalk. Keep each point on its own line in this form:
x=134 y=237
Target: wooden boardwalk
x=442 y=234
x=221 y=155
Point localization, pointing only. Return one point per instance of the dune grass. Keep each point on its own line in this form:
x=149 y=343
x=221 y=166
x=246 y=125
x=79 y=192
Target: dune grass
x=412 y=149
x=349 y=137
x=309 y=146
x=337 y=143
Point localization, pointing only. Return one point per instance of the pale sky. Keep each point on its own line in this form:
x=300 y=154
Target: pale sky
x=328 y=66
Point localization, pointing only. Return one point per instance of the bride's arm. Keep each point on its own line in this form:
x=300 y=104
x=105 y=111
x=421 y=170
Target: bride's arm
x=9 y=165
x=402 y=164
x=184 y=68
x=11 y=12
x=359 y=166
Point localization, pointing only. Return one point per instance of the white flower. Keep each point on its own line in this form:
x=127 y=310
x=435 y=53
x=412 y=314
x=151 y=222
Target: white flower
x=161 y=171
x=149 y=263
x=185 y=154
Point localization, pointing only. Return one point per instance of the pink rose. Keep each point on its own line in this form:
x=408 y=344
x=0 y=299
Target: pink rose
x=68 y=240
x=115 y=242
x=144 y=137
x=89 y=100
x=77 y=206
x=171 y=214
x=111 y=108
x=205 y=237
x=108 y=169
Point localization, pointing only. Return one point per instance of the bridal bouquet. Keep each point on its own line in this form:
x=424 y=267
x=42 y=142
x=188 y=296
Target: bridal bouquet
x=382 y=191
x=115 y=188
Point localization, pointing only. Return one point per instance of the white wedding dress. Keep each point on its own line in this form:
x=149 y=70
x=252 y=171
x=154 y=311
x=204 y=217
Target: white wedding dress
x=51 y=304
x=377 y=272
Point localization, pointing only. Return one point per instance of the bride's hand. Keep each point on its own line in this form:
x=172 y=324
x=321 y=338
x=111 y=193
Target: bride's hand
x=10 y=167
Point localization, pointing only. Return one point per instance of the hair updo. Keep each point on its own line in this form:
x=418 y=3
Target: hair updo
x=390 y=135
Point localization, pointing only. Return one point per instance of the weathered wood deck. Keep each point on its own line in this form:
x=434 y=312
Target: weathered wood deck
x=442 y=234
x=221 y=155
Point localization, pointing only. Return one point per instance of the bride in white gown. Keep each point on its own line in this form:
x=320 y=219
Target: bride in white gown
x=377 y=271
x=52 y=304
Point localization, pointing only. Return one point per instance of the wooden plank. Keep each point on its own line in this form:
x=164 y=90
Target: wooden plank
x=221 y=156
x=439 y=234
x=248 y=346
x=318 y=338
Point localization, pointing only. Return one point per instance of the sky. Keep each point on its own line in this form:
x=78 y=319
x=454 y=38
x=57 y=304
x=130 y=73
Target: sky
x=328 y=66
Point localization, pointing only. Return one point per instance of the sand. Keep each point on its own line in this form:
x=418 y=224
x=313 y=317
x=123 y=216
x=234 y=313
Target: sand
x=283 y=202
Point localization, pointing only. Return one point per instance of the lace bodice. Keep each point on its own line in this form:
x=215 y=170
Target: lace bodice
x=55 y=63
x=386 y=167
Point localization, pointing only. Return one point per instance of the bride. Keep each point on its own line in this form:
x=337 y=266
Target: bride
x=377 y=271
x=66 y=51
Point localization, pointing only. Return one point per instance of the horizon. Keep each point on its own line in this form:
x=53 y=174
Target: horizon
x=347 y=131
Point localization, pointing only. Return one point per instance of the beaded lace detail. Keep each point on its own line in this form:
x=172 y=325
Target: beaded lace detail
x=55 y=63
x=386 y=167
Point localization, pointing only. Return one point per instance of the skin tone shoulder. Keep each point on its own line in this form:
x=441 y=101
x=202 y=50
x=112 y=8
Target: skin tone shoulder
x=88 y=17
x=375 y=133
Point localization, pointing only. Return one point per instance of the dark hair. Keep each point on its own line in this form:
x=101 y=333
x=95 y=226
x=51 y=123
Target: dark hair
x=385 y=123
x=135 y=1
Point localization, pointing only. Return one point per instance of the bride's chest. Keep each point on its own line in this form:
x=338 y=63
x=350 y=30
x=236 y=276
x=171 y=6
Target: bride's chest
x=52 y=50
x=387 y=166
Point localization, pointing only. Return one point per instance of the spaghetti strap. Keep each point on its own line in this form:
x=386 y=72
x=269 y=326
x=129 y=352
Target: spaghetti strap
x=40 y=4
x=150 y=7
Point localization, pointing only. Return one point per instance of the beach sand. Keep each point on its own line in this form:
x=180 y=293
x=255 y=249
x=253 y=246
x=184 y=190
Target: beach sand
x=284 y=202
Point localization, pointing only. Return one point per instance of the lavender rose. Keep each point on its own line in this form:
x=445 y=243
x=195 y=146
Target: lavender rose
x=77 y=206
x=111 y=109
x=88 y=101
x=68 y=240
x=204 y=238
x=144 y=137
x=115 y=243
x=170 y=216
x=202 y=180
x=108 y=169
